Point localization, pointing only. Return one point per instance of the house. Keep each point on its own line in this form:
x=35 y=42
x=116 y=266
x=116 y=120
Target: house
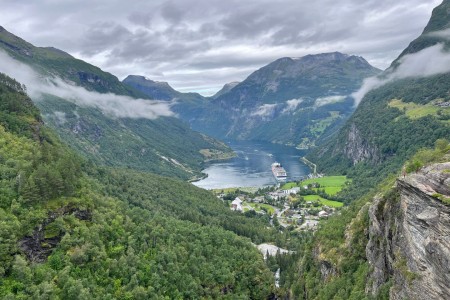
x=293 y=190
x=309 y=224
x=236 y=205
x=259 y=199
x=323 y=214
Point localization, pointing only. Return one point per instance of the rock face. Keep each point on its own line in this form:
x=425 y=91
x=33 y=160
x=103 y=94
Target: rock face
x=410 y=237
x=357 y=149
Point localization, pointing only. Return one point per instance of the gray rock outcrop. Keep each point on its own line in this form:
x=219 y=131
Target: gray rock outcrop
x=409 y=246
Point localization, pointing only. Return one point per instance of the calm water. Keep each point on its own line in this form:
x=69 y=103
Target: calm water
x=251 y=167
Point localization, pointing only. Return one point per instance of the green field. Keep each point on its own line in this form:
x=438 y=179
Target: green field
x=323 y=201
x=288 y=185
x=416 y=111
x=258 y=206
x=331 y=184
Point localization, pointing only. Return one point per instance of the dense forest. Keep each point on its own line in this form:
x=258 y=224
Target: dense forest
x=72 y=230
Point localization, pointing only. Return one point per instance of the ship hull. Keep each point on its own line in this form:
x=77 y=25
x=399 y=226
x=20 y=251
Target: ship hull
x=279 y=172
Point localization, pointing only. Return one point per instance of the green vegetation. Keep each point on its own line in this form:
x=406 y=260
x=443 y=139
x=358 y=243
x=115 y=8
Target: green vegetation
x=389 y=137
x=72 y=230
x=262 y=206
x=331 y=184
x=318 y=127
x=323 y=201
x=426 y=156
x=416 y=111
x=165 y=146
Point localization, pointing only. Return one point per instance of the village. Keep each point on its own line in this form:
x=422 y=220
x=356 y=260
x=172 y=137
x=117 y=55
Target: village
x=292 y=206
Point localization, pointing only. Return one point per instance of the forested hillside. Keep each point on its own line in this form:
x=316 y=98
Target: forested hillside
x=98 y=122
x=72 y=230
x=389 y=147
x=395 y=119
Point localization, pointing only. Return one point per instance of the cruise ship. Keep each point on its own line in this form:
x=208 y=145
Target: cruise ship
x=279 y=172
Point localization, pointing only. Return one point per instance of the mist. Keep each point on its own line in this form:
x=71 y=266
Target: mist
x=291 y=105
x=112 y=105
x=265 y=110
x=327 y=100
x=427 y=62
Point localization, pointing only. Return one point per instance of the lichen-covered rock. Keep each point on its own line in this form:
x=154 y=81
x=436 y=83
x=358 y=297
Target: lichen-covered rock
x=410 y=237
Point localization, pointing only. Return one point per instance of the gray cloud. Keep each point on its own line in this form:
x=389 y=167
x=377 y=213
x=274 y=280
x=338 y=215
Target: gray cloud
x=427 y=62
x=175 y=38
x=113 y=105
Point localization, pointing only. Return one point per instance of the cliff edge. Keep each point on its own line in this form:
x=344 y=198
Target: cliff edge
x=409 y=237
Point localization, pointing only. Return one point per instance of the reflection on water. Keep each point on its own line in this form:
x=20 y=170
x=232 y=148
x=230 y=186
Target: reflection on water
x=251 y=167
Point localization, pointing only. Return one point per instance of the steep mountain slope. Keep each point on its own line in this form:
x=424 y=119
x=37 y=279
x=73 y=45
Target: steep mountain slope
x=225 y=89
x=291 y=101
x=186 y=105
x=163 y=145
x=393 y=121
x=418 y=268
x=391 y=241
x=389 y=244
x=71 y=230
x=157 y=90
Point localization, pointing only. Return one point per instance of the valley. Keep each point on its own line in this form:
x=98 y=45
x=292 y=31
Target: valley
x=119 y=186
x=252 y=166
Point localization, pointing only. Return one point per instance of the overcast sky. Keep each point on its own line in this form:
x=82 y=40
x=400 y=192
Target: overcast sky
x=199 y=45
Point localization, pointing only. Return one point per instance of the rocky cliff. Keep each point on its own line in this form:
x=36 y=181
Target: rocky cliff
x=357 y=149
x=409 y=246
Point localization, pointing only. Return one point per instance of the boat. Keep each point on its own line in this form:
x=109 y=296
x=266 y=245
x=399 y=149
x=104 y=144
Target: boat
x=279 y=172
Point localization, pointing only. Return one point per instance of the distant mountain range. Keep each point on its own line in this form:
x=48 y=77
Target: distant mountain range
x=164 y=145
x=294 y=101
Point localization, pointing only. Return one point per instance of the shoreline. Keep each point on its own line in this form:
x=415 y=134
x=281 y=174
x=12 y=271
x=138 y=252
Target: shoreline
x=310 y=164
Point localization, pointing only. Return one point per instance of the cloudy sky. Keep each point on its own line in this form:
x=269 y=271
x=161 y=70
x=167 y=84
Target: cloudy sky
x=199 y=45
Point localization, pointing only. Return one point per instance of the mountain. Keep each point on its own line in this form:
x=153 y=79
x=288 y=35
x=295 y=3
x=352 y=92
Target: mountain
x=225 y=89
x=388 y=243
x=293 y=101
x=157 y=89
x=74 y=230
x=397 y=118
x=433 y=33
x=163 y=145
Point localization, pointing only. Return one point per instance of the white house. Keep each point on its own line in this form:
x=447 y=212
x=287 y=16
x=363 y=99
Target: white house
x=323 y=214
x=293 y=190
x=236 y=204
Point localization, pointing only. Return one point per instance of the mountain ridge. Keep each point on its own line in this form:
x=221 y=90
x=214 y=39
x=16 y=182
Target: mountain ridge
x=282 y=102
x=164 y=145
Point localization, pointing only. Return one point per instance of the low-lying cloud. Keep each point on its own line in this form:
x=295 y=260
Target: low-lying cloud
x=291 y=105
x=265 y=110
x=327 y=100
x=110 y=104
x=427 y=62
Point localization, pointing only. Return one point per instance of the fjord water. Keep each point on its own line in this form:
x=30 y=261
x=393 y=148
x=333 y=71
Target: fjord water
x=252 y=166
